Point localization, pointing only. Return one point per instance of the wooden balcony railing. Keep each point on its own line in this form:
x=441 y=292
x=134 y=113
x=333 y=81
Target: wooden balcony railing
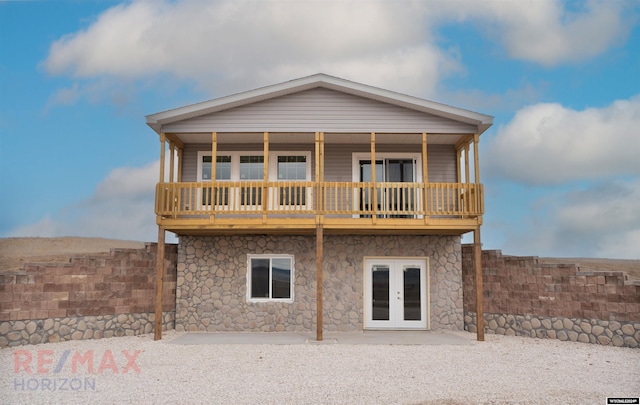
x=330 y=199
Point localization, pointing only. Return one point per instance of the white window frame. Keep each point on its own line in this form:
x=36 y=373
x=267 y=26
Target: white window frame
x=235 y=162
x=292 y=278
x=273 y=171
x=273 y=176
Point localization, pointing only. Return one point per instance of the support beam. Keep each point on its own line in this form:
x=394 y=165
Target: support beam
x=265 y=175
x=162 y=148
x=374 y=197
x=319 y=168
x=214 y=167
x=179 y=165
x=159 y=284
x=172 y=152
x=214 y=152
x=459 y=164
x=319 y=256
x=466 y=165
x=425 y=177
x=477 y=263
x=476 y=159
x=319 y=233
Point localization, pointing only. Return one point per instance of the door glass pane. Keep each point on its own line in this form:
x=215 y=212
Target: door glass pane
x=259 y=278
x=365 y=171
x=251 y=168
x=366 y=197
x=400 y=170
x=412 y=304
x=223 y=172
x=281 y=278
x=292 y=168
x=380 y=293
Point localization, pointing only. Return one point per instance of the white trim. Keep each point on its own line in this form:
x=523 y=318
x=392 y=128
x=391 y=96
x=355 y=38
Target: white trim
x=292 y=278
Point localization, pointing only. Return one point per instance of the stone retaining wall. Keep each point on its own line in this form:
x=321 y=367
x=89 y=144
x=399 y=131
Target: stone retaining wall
x=51 y=330
x=89 y=297
x=556 y=301
x=608 y=333
x=212 y=279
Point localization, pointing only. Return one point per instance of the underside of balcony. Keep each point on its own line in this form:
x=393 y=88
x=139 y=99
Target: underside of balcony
x=307 y=226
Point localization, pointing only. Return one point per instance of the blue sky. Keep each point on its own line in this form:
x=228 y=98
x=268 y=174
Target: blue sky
x=561 y=165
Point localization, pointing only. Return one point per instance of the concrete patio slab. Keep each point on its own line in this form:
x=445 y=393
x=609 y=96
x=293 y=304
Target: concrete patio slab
x=362 y=338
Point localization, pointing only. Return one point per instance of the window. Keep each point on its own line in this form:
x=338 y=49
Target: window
x=251 y=169
x=248 y=166
x=270 y=278
x=223 y=173
x=292 y=168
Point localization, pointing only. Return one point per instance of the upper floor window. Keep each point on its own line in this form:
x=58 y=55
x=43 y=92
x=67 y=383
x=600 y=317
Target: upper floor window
x=223 y=167
x=249 y=166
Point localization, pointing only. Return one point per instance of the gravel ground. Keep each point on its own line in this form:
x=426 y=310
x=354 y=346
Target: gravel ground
x=502 y=370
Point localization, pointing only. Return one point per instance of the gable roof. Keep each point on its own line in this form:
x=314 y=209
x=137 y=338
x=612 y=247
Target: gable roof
x=481 y=121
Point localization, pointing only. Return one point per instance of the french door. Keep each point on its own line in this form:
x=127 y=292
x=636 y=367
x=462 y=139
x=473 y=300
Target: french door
x=390 y=199
x=396 y=294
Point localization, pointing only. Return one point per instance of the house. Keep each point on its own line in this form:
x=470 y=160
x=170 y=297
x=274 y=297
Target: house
x=319 y=203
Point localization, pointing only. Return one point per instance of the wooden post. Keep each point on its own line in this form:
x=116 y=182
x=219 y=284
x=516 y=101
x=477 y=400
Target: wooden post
x=319 y=256
x=425 y=177
x=374 y=197
x=476 y=159
x=214 y=152
x=172 y=152
x=317 y=187
x=265 y=175
x=159 y=284
x=162 y=147
x=466 y=164
x=476 y=174
x=214 y=163
x=319 y=232
x=477 y=263
x=179 y=165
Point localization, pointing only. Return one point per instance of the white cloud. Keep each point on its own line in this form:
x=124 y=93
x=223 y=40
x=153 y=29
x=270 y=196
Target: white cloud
x=602 y=220
x=121 y=207
x=228 y=45
x=551 y=144
x=548 y=32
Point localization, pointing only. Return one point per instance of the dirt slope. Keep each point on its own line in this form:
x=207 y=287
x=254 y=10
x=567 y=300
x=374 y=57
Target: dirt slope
x=14 y=252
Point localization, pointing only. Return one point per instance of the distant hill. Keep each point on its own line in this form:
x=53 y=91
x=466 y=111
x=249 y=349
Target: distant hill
x=14 y=252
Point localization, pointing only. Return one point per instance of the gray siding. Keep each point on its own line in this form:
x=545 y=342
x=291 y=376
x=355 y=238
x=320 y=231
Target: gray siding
x=441 y=159
x=320 y=110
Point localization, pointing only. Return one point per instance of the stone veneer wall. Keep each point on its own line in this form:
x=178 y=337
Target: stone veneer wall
x=557 y=301
x=90 y=297
x=212 y=281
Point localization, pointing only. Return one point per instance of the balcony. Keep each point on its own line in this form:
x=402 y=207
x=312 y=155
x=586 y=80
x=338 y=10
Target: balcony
x=299 y=207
